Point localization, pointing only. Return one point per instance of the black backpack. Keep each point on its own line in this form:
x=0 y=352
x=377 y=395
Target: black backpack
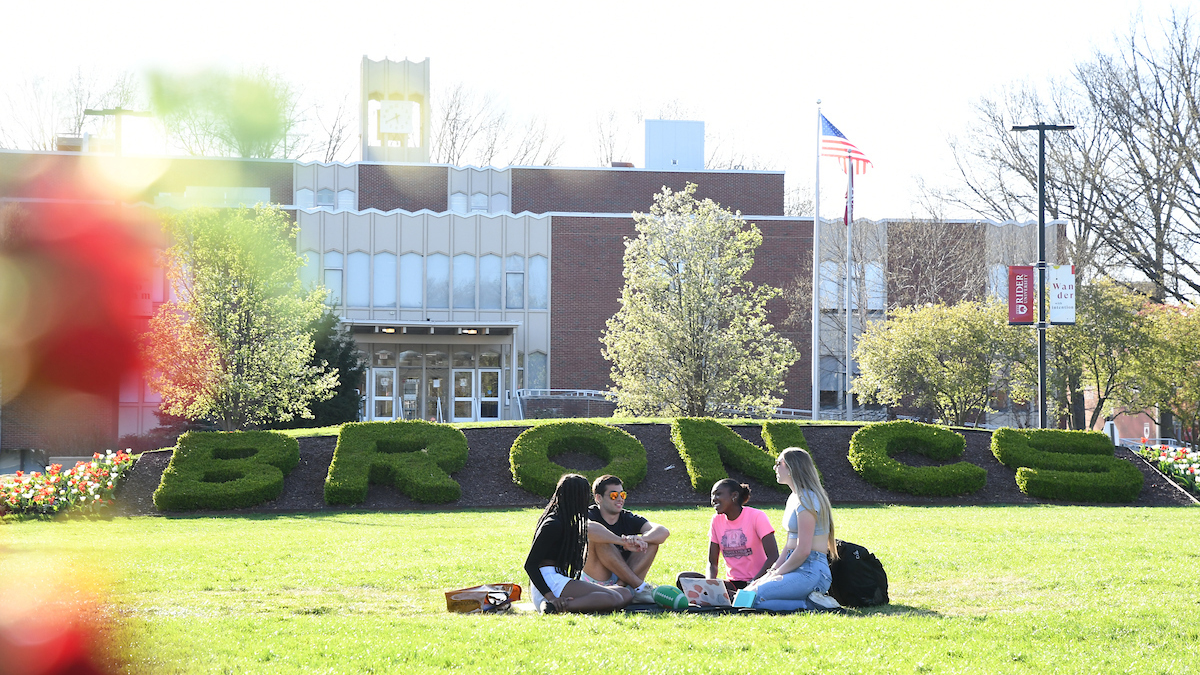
x=858 y=577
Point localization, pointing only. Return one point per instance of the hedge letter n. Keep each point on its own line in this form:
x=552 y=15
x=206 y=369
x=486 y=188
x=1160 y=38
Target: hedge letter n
x=415 y=457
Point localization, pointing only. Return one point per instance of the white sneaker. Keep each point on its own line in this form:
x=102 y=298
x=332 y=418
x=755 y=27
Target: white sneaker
x=644 y=596
x=823 y=601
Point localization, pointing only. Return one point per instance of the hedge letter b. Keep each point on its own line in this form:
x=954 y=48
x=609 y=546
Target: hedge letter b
x=218 y=470
x=415 y=457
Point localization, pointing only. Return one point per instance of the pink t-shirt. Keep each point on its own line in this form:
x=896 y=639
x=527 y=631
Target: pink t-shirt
x=741 y=542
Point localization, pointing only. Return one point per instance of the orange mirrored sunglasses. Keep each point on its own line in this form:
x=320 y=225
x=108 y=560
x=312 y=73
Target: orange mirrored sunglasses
x=614 y=494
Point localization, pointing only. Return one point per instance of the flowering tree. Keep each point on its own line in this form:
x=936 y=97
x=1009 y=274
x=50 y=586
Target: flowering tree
x=236 y=346
x=691 y=336
x=949 y=360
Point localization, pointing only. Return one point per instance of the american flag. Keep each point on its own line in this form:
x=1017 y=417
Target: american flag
x=834 y=144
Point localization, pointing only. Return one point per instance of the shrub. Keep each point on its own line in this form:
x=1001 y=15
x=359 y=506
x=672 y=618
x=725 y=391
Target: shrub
x=226 y=470
x=706 y=446
x=1071 y=465
x=779 y=436
x=872 y=447
x=531 y=455
x=414 y=457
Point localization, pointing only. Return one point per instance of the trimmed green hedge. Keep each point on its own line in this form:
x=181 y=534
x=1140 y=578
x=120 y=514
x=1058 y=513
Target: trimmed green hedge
x=534 y=470
x=1075 y=466
x=872 y=447
x=706 y=446
x=779 y=436
x=226 y=470
x=414 y=457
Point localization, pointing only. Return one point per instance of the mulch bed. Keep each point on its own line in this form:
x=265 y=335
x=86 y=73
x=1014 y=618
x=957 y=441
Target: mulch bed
x=487 y=480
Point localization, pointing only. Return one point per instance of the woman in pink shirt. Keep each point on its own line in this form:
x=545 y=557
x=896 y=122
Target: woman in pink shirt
x=742 y=534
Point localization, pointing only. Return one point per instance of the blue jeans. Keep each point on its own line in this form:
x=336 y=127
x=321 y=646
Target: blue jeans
x=791 y=590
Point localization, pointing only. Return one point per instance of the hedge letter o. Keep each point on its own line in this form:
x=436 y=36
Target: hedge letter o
x=531 y=455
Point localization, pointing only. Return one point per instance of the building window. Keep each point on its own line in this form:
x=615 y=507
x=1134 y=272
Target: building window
x=464 y=281
x=410 y=281
x=458 y=202
x=831 y=380
x=998 y=282
x=489 y=359
x=539 y=282
x=537 y=370
x=384 y=288
x=345 y=200
x=437 y=281
x=385 y=357
x=304 y=198
x=464 y=359
x=500 y=204
x=358 y=279
x=309 y=271
x=130 y=384
x=325 y=198
x=333 y=277
x=831 y=285
x=514 y=283
x=489 y=282
x=479 y=202
x=876 y=288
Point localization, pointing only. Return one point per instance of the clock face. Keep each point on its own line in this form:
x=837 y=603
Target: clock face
x=396 y=117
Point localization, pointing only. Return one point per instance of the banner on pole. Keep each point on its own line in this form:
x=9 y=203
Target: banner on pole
x=1020 y=295
x=1061 y=280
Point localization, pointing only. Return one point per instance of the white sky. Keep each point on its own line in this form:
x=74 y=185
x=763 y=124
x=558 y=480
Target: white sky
x=896 y=78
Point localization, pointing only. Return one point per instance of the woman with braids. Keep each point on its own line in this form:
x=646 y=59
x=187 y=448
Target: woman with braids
x=800 y=578
x=556 y=557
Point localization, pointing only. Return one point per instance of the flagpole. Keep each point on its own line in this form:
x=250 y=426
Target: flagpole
x=849 y=258
x=816 y=280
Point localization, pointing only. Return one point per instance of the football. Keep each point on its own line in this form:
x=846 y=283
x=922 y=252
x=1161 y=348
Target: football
x=670 y=597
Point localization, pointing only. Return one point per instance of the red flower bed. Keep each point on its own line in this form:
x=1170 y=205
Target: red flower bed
x=85 y=488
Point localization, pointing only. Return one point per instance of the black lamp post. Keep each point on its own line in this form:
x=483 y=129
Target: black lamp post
x=1042 y=128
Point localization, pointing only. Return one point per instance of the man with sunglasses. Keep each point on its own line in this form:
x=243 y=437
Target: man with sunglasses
x=609 y=564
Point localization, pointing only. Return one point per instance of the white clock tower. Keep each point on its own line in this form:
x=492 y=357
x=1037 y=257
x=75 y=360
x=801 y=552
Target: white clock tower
x=395 y=111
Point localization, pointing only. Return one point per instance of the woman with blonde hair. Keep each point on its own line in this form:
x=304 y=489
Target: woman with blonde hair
x=800 y=577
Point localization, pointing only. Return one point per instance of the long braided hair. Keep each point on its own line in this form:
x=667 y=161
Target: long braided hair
x=570 y=502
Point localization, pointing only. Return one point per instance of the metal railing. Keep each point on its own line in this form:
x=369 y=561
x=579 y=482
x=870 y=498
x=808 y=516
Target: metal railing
x=860 y=414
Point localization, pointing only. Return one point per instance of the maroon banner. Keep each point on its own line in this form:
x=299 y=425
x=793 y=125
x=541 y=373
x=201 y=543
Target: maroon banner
x=1020 y=295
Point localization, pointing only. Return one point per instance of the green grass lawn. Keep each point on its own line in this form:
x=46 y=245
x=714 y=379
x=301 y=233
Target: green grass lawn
x=1004 y=589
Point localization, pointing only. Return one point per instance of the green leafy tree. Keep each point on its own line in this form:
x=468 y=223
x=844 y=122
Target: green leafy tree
x=1099 y=351
x=1168 y=369
x=236 y=346
x=949 y=360
x=691 y=337
x=334 y=347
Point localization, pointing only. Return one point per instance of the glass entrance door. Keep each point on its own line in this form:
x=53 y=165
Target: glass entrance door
x=383 y=391
x=410 y=390
x=464 y=395
x=489 y=394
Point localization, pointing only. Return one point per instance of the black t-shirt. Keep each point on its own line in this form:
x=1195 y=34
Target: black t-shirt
x=547 y=545
x=627 y=523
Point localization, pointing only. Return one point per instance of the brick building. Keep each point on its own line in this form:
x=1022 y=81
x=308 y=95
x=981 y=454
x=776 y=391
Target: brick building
x=462 y=285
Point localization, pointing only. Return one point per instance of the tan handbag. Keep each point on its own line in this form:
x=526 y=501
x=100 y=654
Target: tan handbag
x=480 y=599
